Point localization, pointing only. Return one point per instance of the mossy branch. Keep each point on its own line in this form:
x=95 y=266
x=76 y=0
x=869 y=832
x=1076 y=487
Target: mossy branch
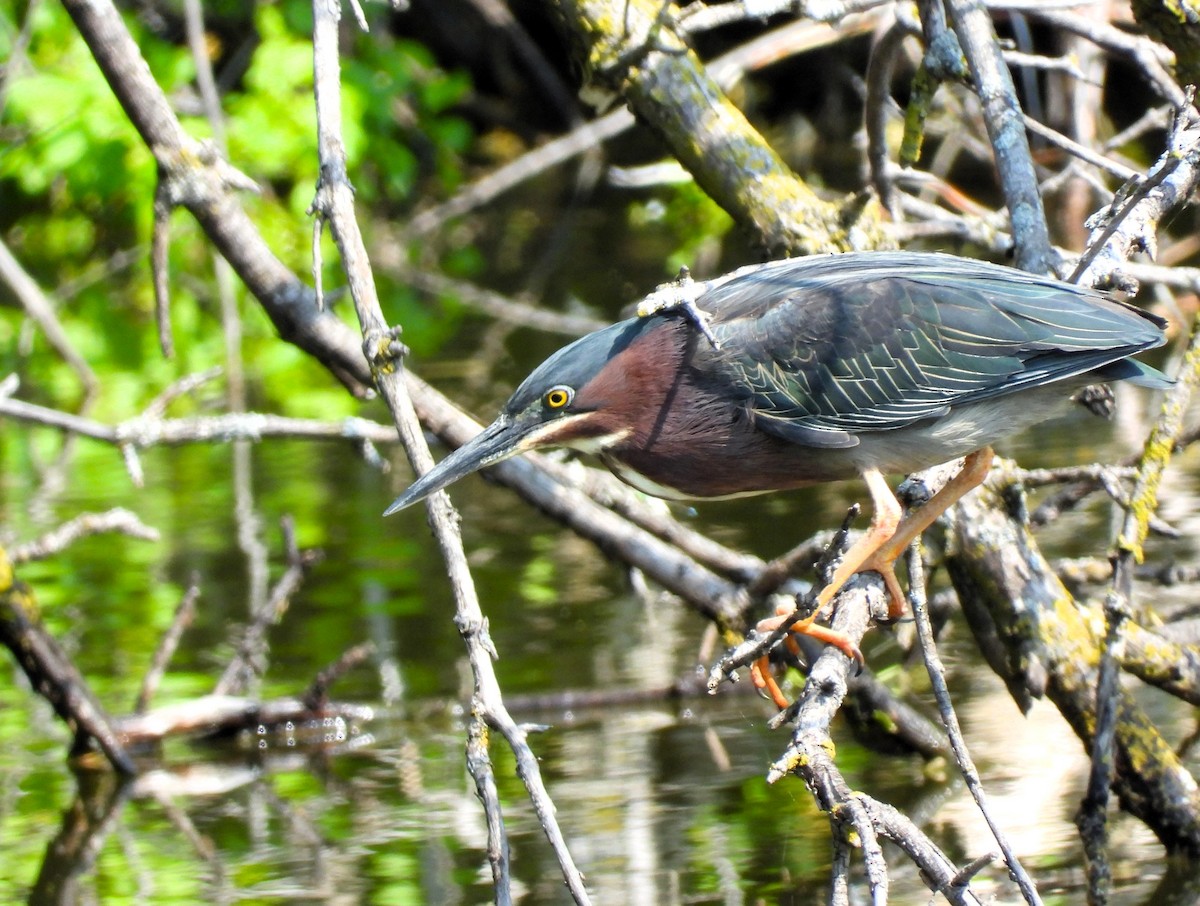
x=633 y=48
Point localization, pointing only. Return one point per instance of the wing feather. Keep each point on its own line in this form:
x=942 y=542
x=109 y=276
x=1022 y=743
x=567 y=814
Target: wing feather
x=821 y=350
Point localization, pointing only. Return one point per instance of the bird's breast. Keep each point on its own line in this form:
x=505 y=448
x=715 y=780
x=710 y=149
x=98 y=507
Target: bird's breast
x=712 y=449
x=707 y=447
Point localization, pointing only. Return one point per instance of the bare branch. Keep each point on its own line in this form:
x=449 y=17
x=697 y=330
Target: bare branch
x=249 y=660
x=210 y=715
x=633 y=48
x=966 y=764
x=1057 y=639
x=142 y=432
x=41 y=310
x=160 y=247
x=1150 y=58
x=1005 y=125
x=1131 y=222
x=726 y=70
x=500 y=307
x=52 y=674
x=185 y=612
x=182 y=387
x=334 y=203
x=117 y=519
x=1119 y=610
x=317 y=696
x=206 y=187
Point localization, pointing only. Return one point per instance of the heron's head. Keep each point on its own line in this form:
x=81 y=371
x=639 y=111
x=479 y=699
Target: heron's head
x=581 y=397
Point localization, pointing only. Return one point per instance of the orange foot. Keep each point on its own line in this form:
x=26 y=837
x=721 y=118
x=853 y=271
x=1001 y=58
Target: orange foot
x=876 y=551
x=760 y=670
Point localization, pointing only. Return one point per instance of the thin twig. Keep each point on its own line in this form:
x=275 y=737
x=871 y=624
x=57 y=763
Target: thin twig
x=187 y=384
x=1097 y=473
x=1148 y=57
x=334 y=203
x=214 y=715
x=118 y=520
x=1092 y=818
x=40 y=308
x=1084 y=153
x=479 y=765
x=202 y=844
x=185 y=612
x=249 y=660
x=1134 y=224
x=1070 y=496
x=160 y=247
x=1131 y=222
x=52 y=672
x=757 y=645
x=808 y=753
x=778 y=570
x=793 y=37
x=500 y=307
x=317 y=696
x=936 y=868
x=937 y=679
x=143 y=432
x=877 y=105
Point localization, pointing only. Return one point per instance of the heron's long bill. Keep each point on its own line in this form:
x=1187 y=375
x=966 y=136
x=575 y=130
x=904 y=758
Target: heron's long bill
x=499 y=440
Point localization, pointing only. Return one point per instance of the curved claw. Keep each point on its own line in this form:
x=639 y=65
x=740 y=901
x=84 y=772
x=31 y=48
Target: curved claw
x=760 y=675
x=897 y=603
x=760 y=670
x=838 y=640
x=877 y=551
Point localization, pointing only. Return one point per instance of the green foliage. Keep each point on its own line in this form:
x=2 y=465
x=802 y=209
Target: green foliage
x=272 y=123
x=77 y=186
x=427 y=323
x=68 y=143
x=686 y=219
x=400 y=888
x=401 y=109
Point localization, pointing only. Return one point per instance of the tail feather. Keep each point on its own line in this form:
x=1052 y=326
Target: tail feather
x=1135 y=372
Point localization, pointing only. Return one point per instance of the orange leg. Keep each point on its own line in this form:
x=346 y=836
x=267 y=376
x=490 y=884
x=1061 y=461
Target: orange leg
x=876 y=551
x=883 y=560
x=760 y=675
x=760 y=670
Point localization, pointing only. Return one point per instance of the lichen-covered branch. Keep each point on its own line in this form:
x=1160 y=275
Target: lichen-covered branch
x=1177 y=24
x=1052 y=644
x=52 y=673
x=634 y=49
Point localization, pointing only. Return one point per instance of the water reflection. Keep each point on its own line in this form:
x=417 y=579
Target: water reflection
x=662 y=802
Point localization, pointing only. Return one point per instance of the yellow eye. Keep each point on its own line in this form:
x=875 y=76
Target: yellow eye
x=558 y=397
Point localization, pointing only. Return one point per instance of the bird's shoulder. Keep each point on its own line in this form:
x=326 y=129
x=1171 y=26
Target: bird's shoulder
x=820 y=350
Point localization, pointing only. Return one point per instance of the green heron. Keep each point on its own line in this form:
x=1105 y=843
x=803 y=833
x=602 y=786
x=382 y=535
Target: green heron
x=810 y=370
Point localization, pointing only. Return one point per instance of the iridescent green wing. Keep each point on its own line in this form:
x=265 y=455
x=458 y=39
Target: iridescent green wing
x=823 y=350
